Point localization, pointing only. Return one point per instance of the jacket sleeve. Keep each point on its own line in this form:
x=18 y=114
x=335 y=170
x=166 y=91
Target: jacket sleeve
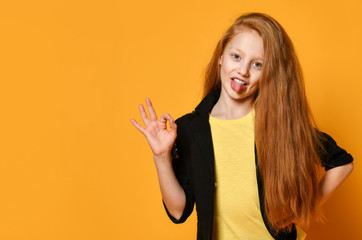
x=333 y=155
x=181 y=168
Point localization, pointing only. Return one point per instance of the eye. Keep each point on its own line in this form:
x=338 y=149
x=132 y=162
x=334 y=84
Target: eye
x=235 y=56
x=257 y=65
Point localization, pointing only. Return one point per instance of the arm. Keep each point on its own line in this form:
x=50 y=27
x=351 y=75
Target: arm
x=332 y=179
x=338 y=165
x=173 y=194
x=161 y=141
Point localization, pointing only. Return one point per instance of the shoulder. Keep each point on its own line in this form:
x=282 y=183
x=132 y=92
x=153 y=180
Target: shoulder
x=332 y=155
x=184 y=134
x=185 y=119
x=329 y=144
x=186 y=128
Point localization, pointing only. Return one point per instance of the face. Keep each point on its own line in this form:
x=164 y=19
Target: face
x=241 y=65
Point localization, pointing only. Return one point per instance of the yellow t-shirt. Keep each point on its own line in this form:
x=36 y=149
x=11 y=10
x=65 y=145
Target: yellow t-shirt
x=237 y=211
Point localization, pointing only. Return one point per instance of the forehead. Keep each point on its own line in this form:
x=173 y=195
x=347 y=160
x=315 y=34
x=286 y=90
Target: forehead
x=247 y=41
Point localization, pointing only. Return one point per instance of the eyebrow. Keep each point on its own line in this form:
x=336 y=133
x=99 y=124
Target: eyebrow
x=239 y=50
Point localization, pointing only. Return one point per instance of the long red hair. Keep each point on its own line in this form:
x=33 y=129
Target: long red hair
x=285 y=133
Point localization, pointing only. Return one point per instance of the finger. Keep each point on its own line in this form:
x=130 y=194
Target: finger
x=173 y=125
x=138 y=126
x=165 y=117
x=151 y=110
x=144 y=115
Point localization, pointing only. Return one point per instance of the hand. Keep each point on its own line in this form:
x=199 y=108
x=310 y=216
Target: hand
x=159 y=138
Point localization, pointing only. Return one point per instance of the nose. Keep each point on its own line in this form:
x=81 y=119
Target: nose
x=243 y=69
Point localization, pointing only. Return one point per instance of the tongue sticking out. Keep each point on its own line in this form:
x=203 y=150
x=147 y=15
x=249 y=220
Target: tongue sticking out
x=237 y=87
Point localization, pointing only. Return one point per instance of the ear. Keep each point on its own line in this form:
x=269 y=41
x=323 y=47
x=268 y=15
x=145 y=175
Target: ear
x=220 y=59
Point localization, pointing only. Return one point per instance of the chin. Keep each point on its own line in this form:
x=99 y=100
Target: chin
x=246 y=95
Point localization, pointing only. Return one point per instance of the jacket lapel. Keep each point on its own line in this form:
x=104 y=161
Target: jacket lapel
x=201 y=129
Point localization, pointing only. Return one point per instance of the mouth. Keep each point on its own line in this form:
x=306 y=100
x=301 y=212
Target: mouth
x=238 y=85
x=239 y=81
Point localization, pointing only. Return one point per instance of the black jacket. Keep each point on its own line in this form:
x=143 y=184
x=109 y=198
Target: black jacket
x=193 y=163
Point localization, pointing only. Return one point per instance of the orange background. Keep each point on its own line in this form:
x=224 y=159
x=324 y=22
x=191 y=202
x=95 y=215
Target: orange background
x=72 y=73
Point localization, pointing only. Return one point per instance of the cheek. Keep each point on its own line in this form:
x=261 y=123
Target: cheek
x=257 y=76
x=223 y=71
x=227 y=67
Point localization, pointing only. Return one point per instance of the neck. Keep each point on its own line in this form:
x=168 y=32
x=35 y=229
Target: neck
x=227 y=108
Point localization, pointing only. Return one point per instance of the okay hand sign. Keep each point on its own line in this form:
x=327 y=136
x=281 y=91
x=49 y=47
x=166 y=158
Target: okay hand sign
x=159 y=138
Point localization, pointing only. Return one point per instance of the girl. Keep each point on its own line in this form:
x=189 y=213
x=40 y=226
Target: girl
x=248 y=154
